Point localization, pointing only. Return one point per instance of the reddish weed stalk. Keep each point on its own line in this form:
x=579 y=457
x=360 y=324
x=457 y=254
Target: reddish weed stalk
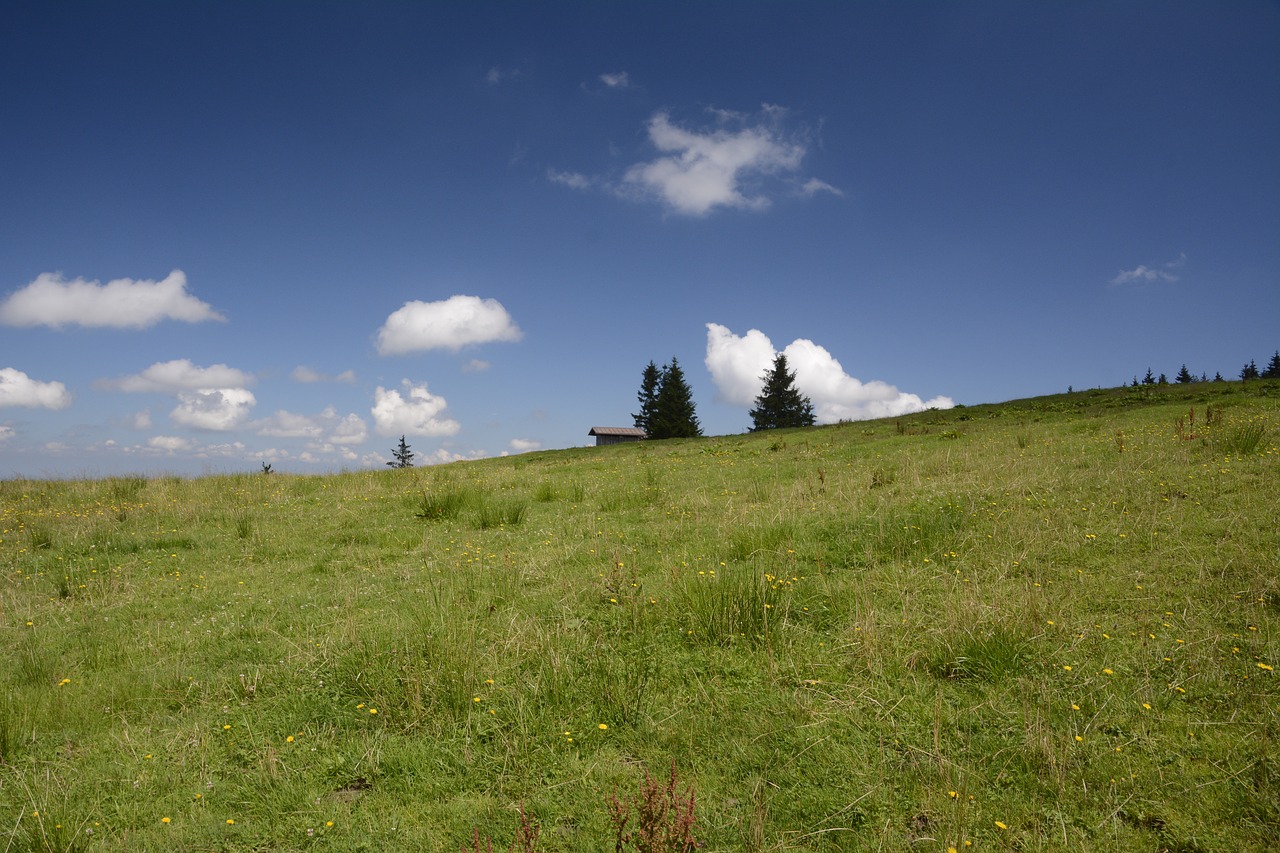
x=661 y=817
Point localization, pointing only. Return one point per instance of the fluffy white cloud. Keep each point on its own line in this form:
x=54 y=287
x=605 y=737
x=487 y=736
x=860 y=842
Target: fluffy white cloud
x=451 y=324
x=703 y=171
x=324 y=429
x=1142 y=272
x=524 y=445
x=19 y=389
x=289 y=425
x=167 y=377
x=124 y=303
x=6 y=433
x=739 y=363
x=619 y=80
x=350 y=430
x=418 y=412
x=213 y=408
x=169 y=443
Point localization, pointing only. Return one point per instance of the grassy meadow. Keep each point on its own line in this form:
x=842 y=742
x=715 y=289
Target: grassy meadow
x=1040 y=625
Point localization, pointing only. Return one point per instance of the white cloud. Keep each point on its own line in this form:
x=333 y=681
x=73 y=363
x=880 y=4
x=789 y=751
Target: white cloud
x=169 y=443
x=813 y=186
x=573 y=180
x=524 y=445
x=167 y=377
x=350 y=430
x=285 y=424
x=124 y=303
x=6 y=433
x=19 y=389
x=620 y=80
x=449 y=324
x=218 y=409
x=738 y=364
x=1142 y=272
x=418 y=413
x=142 y=420
x=703 y=171
x=305 y=374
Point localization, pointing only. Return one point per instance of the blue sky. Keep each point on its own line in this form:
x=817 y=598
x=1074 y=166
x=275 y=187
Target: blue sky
x=290 y=232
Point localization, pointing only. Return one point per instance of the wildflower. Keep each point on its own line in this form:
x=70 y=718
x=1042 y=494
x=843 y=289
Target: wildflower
x=328 y=823
x=166 y=820
x=1079 y=739
x=231 y=821
x=1000 y=825
x=373 y=710
x=952 y=794
x=1267 y=667
x=289 y=739
x=603 y=726
x=1066 y=667
x=1108 y=672
x=1147 y=705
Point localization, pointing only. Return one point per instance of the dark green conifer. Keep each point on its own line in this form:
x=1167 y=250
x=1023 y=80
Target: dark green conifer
x=648 y=397
x=780 y=403
x=674 y=413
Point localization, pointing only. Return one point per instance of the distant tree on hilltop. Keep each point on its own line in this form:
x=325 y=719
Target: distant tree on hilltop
x=1184 y=376
x=403 y=456
x=780 y=403
x=1250 y=370
x=1273 y=367
x=674 y=414
x=648 y=397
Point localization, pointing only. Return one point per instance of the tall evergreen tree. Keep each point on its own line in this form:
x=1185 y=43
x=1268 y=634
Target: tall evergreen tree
x=674 y=414
x=780 y=403
x=1184 y=376
x=403 y=456
x=1273 y=367
x=648 y=397
x=1149 y=379
x=1250 y=370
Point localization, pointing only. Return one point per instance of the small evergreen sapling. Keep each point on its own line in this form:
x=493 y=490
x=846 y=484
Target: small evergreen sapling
x=403 y=456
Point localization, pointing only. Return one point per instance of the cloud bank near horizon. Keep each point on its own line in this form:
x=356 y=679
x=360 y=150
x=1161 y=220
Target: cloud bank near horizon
x=738 y=365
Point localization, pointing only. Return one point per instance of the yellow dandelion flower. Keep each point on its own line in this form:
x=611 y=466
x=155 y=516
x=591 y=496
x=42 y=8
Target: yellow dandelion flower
x=289 y=739
x=231 y=821
x=603 y=726
x=373 y=710
x=1000 y=825
x=166 y=820
x=1267 y=667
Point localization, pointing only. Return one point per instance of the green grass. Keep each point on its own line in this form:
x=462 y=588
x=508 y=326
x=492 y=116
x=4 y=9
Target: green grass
x=1040 y=625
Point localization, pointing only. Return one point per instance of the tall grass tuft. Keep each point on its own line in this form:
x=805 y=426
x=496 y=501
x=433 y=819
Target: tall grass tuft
x=733 y=603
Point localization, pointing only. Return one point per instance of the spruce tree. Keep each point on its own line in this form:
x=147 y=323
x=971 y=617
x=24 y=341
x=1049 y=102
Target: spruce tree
x=1149 y=379
x=1184 y=376
x=648 y=397
x=674 y=415
x=1273 y=367
x=403 y=456
x=780 y=403
x=1250 y=370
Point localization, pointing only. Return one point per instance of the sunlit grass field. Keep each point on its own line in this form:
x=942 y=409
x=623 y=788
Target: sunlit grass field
x=1041 y=625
